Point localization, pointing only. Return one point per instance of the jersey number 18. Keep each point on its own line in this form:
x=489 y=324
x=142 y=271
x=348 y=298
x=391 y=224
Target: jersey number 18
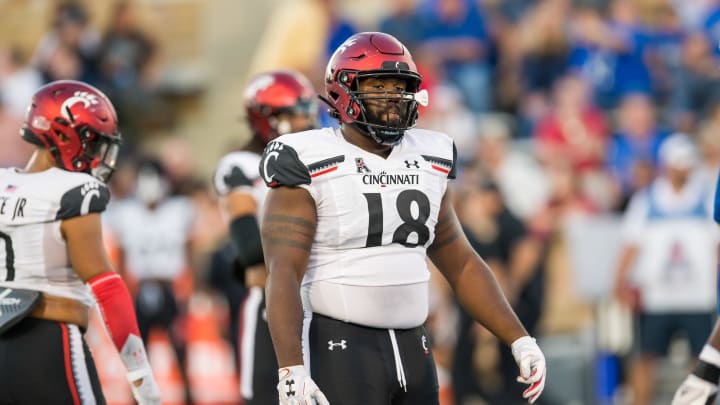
x=411 y=224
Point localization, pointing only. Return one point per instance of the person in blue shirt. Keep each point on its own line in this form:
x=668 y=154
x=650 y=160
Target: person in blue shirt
x=609 y=53
x=633 y=149
x=456 y=38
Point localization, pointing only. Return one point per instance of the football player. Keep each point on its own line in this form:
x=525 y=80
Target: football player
x=349 y=218
x=52 y=257
x=701 y=386
x=276 y=103
x=154 y=234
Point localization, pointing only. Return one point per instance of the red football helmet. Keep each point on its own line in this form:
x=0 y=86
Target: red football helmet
x=271 y=96
x=78 y=125
x=373 y=54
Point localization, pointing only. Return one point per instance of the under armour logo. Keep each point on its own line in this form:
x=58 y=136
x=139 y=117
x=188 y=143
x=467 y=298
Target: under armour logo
x=414 y=164
x=342 y=344
x=290 y=392
x=426 y=350
x=7 y=292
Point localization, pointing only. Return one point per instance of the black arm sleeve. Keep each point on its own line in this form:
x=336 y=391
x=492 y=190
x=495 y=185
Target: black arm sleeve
x=245 y=235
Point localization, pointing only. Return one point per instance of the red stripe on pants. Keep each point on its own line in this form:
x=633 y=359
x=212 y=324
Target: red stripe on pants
x=68 y=365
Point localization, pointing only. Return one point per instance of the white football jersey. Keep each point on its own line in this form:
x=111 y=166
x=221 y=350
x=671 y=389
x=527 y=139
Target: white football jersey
x=376 y=216
x=33 y=253
x=238 y=172
x=154 y=242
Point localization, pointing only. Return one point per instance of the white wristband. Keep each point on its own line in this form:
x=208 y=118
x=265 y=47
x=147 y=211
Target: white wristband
x=710 y=355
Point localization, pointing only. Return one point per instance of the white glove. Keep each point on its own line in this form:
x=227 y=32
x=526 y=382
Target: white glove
x=700 y=387
x=531 y=362
x=695 y=391
x=297 y=388
x=147 y=392
x=133 y=355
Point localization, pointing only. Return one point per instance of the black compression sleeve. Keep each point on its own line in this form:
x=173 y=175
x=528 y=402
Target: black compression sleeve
x=245 y=235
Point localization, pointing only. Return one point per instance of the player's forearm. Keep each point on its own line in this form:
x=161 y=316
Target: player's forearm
x=285 y=316
x=480 y=294
x=714 y=339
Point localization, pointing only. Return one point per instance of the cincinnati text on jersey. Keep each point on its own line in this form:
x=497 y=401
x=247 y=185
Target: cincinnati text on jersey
x=384 y=179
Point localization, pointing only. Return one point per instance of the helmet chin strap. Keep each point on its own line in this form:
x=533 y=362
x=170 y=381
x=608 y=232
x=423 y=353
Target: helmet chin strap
x=368 y=131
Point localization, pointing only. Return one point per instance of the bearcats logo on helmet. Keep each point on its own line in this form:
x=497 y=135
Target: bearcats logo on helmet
x=80 y=139
x=83 y=97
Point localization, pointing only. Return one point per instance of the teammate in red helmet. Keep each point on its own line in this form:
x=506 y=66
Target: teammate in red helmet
x=276 y=102
x=350 y=218
x=53 y=264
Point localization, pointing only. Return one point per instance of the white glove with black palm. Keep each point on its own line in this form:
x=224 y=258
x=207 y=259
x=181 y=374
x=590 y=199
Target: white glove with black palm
x=701 y=387
x=531 y=361
x=297 y=388
x=695 y=391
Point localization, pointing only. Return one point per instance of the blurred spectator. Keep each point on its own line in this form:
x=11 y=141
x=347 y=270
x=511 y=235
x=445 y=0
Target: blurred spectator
x=542 y=48
x=694 y=13
x=699 y=81
x=18 y=82
x=711 y=26
x=290 y=42
x=671 y=247
x=63 y=63
x=564 y=311
x=609 y=53
x=520 y=179
x=513 y=255
x=14 y=151
x=72 y=32
x=663 y=53
x=514 y=10
x=403 y=22
x=447 y=113
x=456 y=41
x=709 y=145
x=633 y=150
x=154 y=233
x=574 y=130
x=126 y=50
x=129 y=66
x=340 y=28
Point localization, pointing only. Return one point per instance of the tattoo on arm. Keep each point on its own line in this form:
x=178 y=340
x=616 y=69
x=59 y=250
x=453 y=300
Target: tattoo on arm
x=286 y=230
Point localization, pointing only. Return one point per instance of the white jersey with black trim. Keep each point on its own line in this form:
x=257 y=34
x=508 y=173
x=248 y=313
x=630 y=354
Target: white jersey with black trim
x=33 y=253
x=154 y=241
x=238 y=172
x=376 y=218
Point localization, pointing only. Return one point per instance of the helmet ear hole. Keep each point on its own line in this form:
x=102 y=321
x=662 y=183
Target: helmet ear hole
x=61 y=136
